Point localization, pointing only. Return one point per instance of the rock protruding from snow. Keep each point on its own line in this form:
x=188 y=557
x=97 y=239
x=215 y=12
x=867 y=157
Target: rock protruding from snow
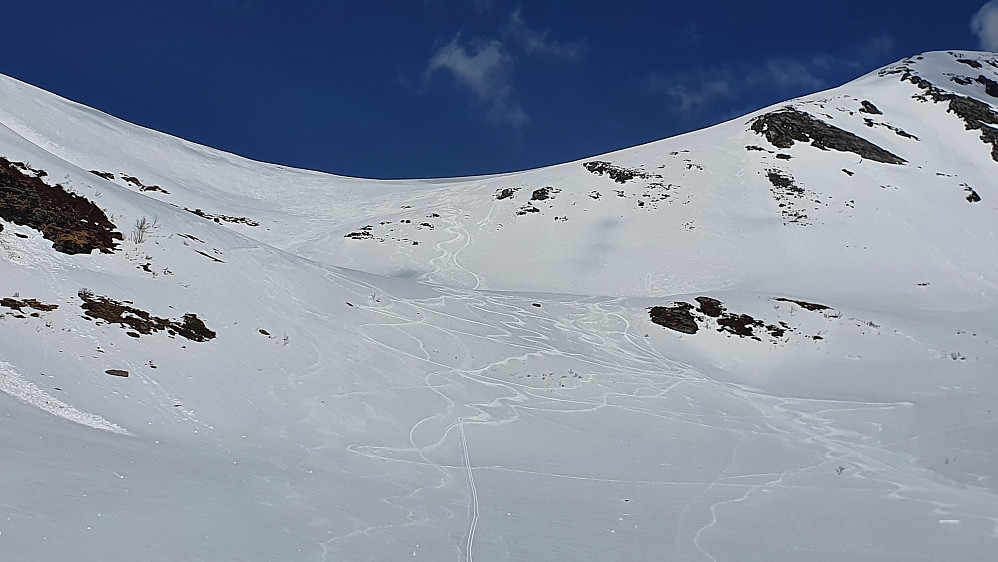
x=781 y=128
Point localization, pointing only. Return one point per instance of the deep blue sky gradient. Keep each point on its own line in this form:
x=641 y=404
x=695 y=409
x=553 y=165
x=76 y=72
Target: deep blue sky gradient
x=431 y=88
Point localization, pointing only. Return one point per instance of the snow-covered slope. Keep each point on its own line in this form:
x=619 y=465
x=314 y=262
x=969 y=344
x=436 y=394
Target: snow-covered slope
x=770 y=339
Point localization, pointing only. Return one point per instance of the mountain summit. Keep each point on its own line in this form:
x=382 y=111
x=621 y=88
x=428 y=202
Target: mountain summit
x=774 y=338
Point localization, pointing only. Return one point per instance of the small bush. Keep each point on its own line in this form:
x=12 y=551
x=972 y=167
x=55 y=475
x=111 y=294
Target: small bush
x=141 y=229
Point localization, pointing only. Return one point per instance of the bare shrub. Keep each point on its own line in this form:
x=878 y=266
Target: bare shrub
x=141 y=229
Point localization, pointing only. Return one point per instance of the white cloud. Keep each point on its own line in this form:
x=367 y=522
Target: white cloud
x=486 y=69
x=984 y=24
x=692 y=92
x=536 y=42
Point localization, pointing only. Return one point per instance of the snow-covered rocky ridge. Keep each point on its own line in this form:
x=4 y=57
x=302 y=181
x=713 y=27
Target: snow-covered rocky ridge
x=770 y=339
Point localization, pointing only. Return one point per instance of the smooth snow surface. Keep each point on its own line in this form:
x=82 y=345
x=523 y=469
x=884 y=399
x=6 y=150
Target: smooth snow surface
x=466 y=369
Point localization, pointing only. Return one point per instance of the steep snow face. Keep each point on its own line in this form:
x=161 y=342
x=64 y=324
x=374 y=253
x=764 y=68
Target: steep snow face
x=770 y=337
x=691 y=213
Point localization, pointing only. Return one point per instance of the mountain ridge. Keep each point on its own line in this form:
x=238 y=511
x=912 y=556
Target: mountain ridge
x=720 y=345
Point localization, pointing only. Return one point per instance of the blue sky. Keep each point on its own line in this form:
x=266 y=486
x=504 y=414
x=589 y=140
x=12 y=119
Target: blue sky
x=429 y=88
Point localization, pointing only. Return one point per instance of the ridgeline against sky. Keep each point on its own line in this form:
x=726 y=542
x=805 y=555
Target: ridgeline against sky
x=456 y=87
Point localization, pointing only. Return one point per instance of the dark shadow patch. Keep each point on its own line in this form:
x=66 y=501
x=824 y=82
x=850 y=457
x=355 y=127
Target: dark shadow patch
x=191 y=237
x=785 y=126
x=106 y=175
x=138 y=321
x=74 y=224
x=970 y=62
x=803 y=304
x=897 y=131
x=990 y=86
x=209 y=256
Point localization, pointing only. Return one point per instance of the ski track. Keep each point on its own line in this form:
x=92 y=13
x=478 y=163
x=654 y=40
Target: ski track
x=631 y=362
x=475 y=352
x=473 y=492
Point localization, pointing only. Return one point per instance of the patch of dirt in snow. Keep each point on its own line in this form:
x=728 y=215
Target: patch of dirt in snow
x=222 y=218
x=506 y=192
x=897 y=130
x=676 y=317
x=362 y=234
x=142 y=187
x=711 y=313
x=109 y=176
x=544 y=193
x=74 y=224
x=617 y=173
x=140 y=321
x=789 y=197
x=14 y=304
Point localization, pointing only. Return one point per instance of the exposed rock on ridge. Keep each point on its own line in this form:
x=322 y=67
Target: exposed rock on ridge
x=782 y=127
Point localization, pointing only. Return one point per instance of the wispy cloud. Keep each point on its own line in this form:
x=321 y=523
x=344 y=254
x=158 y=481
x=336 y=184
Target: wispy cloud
x=534 y=42
x=484 y=68
x=984 y=24
x=691 y=92
x=691 y=98
x=785 y=75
